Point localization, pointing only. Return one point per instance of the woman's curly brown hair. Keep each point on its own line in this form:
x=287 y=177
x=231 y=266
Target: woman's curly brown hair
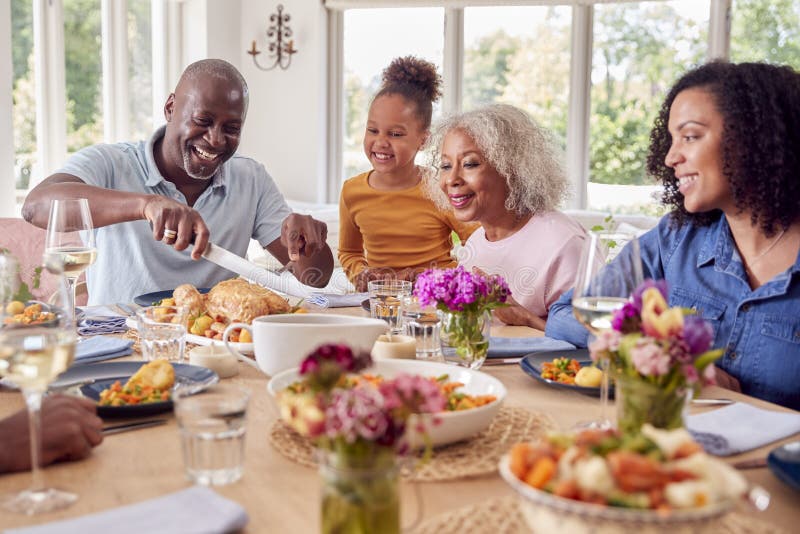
x=760 y=108
x=417 y=81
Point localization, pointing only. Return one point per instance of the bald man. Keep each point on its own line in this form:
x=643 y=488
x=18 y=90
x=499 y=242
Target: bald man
x=150 y=200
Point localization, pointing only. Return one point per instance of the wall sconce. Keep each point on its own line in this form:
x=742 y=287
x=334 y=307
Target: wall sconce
x=281 y=47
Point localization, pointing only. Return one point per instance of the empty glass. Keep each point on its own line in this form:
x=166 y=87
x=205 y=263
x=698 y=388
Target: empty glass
x=162 y=332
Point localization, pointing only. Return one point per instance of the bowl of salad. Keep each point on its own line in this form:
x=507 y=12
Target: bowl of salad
x=601 y=482
x=473 y=397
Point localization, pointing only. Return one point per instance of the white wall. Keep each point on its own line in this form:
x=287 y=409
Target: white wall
x=286 y=122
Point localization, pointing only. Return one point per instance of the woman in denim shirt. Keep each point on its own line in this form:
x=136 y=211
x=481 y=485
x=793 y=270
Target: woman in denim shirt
x=726 y=146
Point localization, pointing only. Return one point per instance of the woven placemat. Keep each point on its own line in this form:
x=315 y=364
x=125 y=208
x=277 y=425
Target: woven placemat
x=473 y=458
x=502 y=515
x=137 y=347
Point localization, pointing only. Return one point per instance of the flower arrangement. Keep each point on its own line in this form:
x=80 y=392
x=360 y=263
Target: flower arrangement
x=657 y=355
x=358 y=429
x=463 y=300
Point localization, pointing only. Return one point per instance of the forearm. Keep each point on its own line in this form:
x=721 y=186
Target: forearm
x=108 y=206
x=516 y=315
x=561 y=323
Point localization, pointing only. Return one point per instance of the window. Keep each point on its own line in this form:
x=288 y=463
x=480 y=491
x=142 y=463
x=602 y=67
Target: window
x=519 y=56
x=83 y=73
x=372 y=38
x=639 y=50
x=140 y=69
x=24 y=104
x=766 y=31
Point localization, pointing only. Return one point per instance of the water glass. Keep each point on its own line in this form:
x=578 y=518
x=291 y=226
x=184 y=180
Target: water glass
x=422 y=323
x=386 y=301
x=212 y=428
x=162 y=332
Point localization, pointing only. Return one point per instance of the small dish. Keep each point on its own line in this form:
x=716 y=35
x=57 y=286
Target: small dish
x=532 y=365
x=98 y=376
x=784 y=462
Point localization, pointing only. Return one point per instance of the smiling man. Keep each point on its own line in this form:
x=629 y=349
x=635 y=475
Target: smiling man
x=151 y=200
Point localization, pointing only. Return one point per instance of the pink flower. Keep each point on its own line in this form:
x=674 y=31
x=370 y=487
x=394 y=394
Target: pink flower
x=413 y=394
x=710 y=376
x=649 y=359
x=605 y=343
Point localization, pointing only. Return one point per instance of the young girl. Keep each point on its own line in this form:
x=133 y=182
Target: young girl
x=387 y=226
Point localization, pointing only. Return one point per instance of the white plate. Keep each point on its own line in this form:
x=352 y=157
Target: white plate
x=246 y=348
x=454 y=426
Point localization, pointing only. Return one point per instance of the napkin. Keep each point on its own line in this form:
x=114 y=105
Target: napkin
x=197 y=510
x=334 y=300
x=96 y=320
x=506 y=347
x=99 y=348
x=740 y=427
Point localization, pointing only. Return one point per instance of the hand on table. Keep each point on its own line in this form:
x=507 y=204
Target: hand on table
x=727 y=381
x=70 y=429
x=176 y=224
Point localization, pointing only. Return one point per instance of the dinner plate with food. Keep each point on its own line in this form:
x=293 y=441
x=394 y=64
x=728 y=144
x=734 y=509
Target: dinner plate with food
x=565 y=369
x=133 y=389
x=473 y=397
x=212 y=309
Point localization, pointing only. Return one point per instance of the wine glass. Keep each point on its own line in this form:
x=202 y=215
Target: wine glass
x=31 y=357
x=70 y=237
x=609 y=271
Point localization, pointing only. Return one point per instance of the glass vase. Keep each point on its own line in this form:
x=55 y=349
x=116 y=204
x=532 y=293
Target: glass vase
x=464 y=337
x=639 y=402
x=360 y=495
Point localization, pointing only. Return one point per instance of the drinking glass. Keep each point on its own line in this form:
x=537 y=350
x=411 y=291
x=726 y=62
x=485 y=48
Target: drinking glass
x=422 y=323
x=386 y=301
x=31 y=356
x=70 y=237
x=162 y=331
x=212 y=428
x=609 y=271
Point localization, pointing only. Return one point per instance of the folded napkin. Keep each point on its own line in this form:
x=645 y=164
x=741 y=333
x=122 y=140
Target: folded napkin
x=740 y=427
x=99 y=348
x=95 y=320
x=506 y=347
x=334 y=300
x=197 y=510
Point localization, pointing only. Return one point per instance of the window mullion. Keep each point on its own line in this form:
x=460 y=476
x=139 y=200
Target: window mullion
x=116 y=115
x=335 y=126
x=51 y=91
x=7 y=177
x=453 y=62
x=579 y=104
x=719 y=30
x=166 y=53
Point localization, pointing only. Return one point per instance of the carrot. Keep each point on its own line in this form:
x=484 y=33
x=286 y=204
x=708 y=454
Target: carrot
x=543 y=470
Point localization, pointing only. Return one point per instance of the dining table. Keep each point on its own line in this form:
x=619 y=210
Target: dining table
x=280 y=495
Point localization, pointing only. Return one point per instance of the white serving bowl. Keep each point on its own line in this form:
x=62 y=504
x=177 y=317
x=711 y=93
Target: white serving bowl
x=453 y=426
x=545 y=512
x=282 y=341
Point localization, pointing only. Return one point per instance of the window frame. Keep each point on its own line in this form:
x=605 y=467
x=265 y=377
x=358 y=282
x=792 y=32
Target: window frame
x=50 y=76
x=577 y=152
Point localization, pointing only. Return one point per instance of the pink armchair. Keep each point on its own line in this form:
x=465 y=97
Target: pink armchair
x=26 y=243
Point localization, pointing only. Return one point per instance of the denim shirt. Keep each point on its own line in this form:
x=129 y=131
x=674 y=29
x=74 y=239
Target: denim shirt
x=758 y=328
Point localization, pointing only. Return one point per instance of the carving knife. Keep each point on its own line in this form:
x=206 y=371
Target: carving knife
x=258 y=275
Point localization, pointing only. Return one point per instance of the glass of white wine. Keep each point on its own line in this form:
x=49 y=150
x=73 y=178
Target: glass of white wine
x=31 y=356
x=609 y=271
x=70 y=238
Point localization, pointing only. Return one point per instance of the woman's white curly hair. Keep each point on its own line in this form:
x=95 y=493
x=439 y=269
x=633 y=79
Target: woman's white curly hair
x=520 y=150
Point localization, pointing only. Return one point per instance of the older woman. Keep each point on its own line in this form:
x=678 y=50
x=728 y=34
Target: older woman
x=496 y=166
x=725 y=146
